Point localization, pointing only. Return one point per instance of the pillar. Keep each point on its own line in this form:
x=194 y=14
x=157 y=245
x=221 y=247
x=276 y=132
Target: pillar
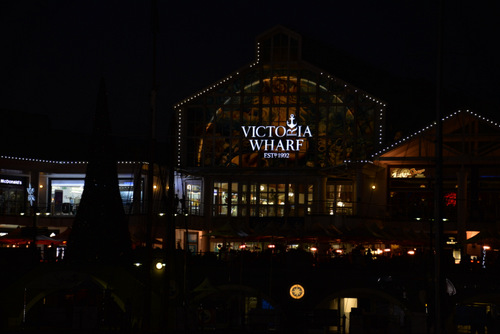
x=462 y=211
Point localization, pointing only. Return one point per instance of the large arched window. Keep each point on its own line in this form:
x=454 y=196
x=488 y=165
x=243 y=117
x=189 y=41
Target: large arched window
x=280 y=121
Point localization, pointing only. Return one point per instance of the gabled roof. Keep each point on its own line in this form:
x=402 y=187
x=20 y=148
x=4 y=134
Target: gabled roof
x=276 y=30
x=467 y=138
x=313 y=62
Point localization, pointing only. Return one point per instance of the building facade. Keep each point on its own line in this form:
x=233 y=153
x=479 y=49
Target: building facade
x=282 y=156
x=277 y=147
x=470 y=178
x=52 y=190
x=281 y=153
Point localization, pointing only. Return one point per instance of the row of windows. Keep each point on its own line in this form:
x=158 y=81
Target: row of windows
x=239 y=199
x=261 y=199
x=412 y=192
x=419 y=205
x=342 y=126
x=249 y=82
x=67 y=194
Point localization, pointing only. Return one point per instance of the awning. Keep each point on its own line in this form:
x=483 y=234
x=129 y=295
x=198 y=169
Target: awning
x=17 y=237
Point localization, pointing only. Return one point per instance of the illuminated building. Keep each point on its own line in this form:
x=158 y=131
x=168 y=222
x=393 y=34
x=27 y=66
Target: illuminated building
x=279 y=149
x=281 y=155
x=283 y=151
x=49 y=196
x=471 y=174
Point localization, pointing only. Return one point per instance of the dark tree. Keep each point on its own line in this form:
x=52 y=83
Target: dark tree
x=100 y=229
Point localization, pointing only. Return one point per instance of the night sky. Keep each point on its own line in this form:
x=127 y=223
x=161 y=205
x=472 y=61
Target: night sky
x=54 y=53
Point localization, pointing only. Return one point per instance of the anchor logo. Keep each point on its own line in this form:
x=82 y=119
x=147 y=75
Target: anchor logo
x=291 y=122
x=292 y=130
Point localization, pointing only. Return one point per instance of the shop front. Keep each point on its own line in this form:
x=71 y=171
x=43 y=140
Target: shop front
x=13 y=196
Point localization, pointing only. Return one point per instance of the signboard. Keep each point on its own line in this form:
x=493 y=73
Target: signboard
x=277 y=141
x=13 y=182
x=282 y=121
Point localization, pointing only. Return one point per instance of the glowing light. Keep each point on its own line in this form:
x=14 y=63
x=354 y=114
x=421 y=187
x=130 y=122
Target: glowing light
x=297 y=291
x=471 y=234
x=450 y=199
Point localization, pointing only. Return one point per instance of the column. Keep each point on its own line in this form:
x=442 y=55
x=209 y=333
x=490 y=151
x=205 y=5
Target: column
x=462 y=211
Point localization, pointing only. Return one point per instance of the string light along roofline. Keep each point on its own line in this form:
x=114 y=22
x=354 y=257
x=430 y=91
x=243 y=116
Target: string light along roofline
x=255 y=63
x=430 y=126
x=62 y=162
x=358 y=161
x=382 y=104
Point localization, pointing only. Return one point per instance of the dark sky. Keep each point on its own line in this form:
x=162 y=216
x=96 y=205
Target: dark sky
x=54 y=52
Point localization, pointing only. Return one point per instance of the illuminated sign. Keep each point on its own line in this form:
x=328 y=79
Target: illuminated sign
x=7 y=181
x=277 y=141
x=407 y=173
x=297 y=291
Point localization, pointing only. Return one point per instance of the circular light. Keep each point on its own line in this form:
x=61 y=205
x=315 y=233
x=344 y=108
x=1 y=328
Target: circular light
x=159 y=265
x=297 y=291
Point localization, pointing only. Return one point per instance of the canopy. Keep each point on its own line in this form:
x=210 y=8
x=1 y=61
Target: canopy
x=16 y=237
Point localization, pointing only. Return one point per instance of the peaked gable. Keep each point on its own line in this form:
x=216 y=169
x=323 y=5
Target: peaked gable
x=241 y=120
x=467 y=137
x=279 y=44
